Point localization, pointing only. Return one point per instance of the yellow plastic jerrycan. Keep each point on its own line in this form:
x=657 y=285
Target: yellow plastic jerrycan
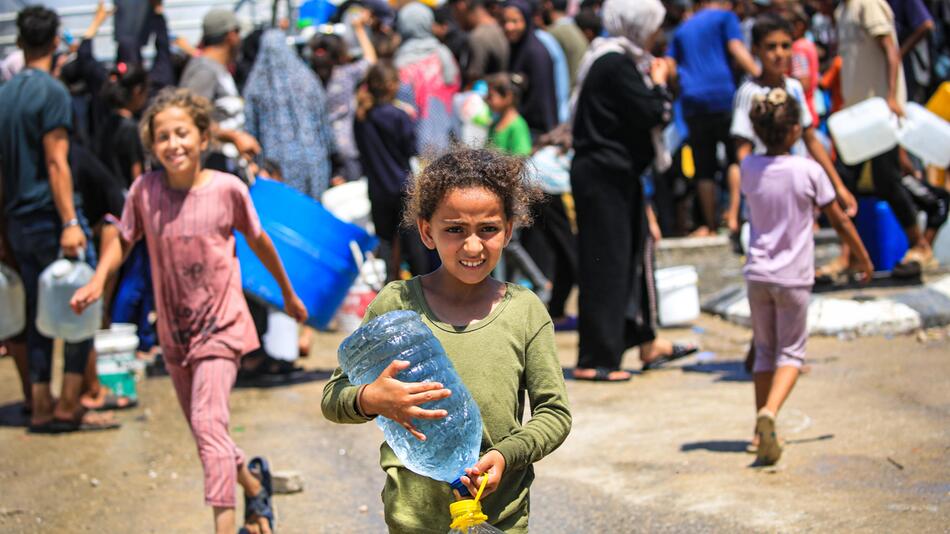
x=467 y=515
x=939 y=103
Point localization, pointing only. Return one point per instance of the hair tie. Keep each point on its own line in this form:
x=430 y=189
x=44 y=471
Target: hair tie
x=777 y=97
x=121 y=67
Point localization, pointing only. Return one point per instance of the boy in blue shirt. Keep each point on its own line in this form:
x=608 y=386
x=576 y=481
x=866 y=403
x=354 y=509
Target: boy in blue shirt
x=702 y=48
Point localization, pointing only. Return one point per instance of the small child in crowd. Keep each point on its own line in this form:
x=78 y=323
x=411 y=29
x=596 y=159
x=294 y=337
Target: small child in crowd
x=187 y=216
x=772 y=42
x=782 y=191
x=499 y=337
x=509 y=132
x=386 y=138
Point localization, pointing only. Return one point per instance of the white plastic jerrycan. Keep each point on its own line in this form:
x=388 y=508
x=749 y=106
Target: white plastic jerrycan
x=12 y=303
x=925 y=135
x=864 y=130
x=54 y=317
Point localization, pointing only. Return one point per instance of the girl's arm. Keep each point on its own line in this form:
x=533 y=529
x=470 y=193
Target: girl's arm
x=550 y=415
x=360 y=22
x=843 y=226
x=818 y=152
x=263 y=248
x=114 y=251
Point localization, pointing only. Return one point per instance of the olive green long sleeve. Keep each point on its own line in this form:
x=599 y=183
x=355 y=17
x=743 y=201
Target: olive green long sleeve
x=505 y=359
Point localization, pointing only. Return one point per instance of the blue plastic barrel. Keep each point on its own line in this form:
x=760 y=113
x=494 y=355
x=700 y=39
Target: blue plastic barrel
x=881 y=233
x=313 y=245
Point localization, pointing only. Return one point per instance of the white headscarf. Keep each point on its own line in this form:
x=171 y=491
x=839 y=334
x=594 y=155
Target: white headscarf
x=629 y=24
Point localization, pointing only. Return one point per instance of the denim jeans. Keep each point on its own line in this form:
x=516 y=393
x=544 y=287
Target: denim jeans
x=34 y=240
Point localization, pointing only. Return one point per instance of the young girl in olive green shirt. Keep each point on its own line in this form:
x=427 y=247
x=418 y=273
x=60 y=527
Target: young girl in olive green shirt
x=499 y=337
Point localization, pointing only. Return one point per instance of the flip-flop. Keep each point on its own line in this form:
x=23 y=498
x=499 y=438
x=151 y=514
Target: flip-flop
x=112 y=402
x=679 y=351
x=260 y=504
x=58 y=426
x=602 y=374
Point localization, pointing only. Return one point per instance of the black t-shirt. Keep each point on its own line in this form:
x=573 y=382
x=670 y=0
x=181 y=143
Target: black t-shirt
x=32 y=104
x=118 y=146
x=102 y=192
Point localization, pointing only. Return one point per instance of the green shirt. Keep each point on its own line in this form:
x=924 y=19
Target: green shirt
x=499 y=358
x=514 y=139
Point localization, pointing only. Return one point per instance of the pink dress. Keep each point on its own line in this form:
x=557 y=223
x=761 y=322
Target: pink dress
x=201 y=308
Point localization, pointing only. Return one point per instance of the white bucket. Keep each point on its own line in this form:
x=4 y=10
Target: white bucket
x=677 y=294
x=280 y=340
x=864 y=130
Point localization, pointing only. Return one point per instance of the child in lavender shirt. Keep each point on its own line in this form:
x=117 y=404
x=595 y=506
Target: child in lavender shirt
x=782 y=191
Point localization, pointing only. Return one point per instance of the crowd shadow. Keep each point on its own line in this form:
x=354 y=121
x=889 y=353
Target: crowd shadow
x=12 y=415
x=727 y=371
x=304 y=376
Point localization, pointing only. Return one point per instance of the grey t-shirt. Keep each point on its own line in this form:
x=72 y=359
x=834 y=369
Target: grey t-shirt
x=489 y=52
x=212 y=80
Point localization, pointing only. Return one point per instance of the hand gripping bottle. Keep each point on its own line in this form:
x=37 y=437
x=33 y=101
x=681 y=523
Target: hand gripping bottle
x=467 y=516
x=452 y=443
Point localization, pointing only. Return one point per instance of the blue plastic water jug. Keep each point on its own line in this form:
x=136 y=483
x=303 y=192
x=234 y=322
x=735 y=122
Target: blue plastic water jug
x=452 y=443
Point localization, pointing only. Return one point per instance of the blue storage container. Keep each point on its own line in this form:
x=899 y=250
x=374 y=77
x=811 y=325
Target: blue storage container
x=313 y=245
x=881 y=233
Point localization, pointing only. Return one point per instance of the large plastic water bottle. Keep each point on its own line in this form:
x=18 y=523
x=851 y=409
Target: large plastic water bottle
x=452 y=443
x=54 y=317
x=12 y=302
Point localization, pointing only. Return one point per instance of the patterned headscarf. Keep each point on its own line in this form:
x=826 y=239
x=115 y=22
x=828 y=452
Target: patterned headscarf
x=286 y=112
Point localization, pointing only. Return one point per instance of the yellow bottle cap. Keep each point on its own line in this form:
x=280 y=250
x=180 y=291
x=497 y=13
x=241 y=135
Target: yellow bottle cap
x=467 y=513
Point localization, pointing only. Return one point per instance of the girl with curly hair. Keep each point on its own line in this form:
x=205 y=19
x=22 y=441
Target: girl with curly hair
x=499 y=337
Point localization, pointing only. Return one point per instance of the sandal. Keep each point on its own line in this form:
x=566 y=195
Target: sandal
x=60 y=426
x=831 y=272
x=914 y=263
x=602 y=374
x=260 y=505
x=680 y=350
x=114 y=402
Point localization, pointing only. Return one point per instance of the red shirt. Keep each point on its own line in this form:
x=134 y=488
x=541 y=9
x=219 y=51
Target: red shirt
x=805 y=63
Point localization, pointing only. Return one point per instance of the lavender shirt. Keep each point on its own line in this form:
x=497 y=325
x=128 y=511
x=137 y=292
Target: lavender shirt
x=781 y=193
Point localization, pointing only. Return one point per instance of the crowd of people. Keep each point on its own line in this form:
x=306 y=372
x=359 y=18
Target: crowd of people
x=640 y=118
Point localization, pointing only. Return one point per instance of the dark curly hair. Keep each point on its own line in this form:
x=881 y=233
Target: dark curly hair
x=506 y=176
x=773 y=117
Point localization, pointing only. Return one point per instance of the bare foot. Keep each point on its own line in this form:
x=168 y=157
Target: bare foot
x=702 y=231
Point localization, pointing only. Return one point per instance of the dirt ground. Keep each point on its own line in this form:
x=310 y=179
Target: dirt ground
x=868 y=431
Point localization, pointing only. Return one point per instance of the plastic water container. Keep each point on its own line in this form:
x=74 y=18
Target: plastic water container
x=939 y=103
x=349 y=202
x=313 y=245
x=677 y=294
x=452 y=443
x=116 y=363
x=467 y=515
x=925 y=135
x=942 y=245
x=864 y=130
x=881 y=233
x=54 y=317
x=280 y=340
x=12 y=302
